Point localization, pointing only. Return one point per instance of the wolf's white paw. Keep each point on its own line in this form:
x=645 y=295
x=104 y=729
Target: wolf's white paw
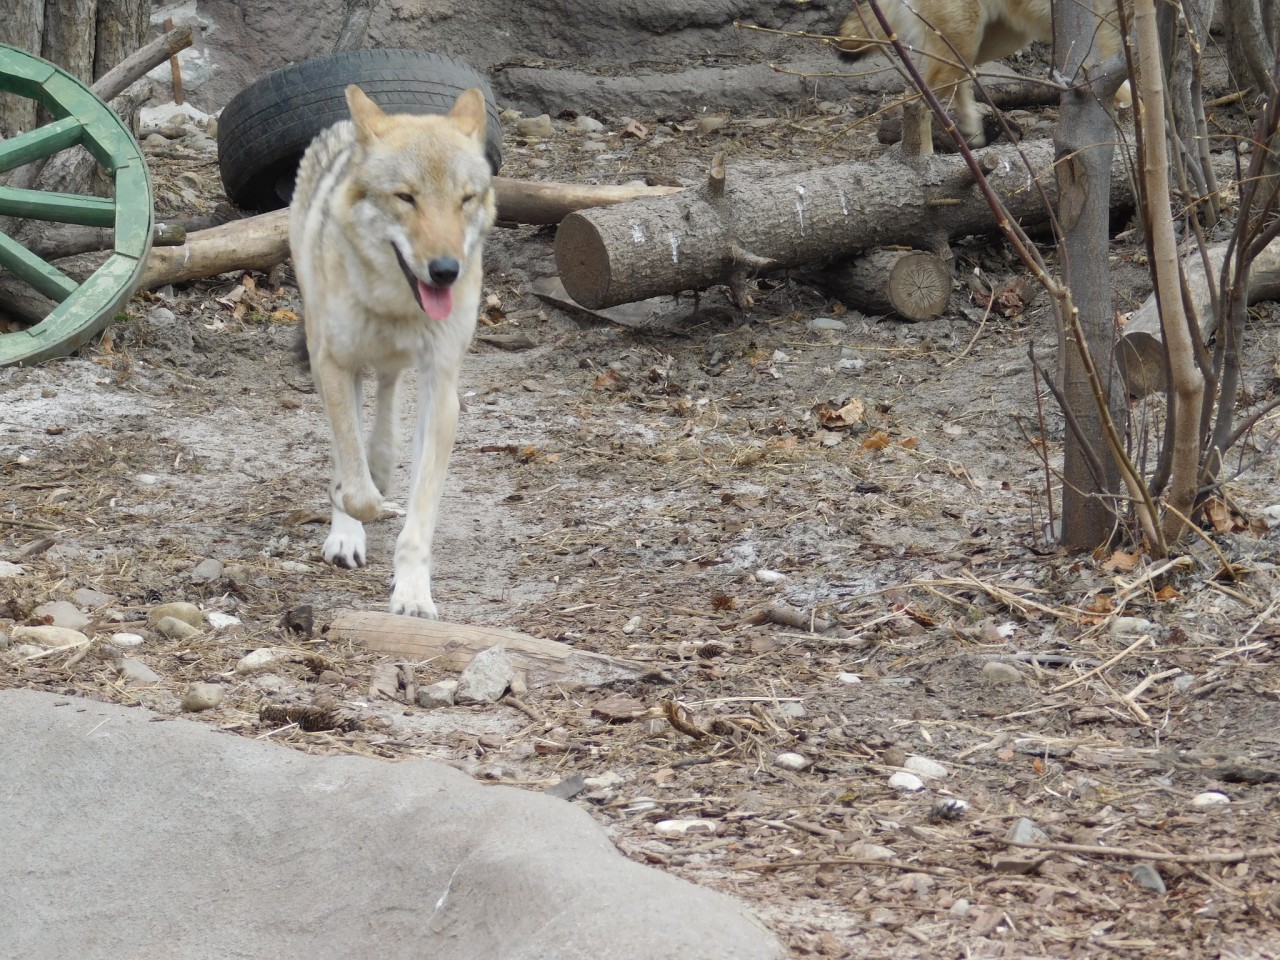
x=344 y=547
x=412 y=595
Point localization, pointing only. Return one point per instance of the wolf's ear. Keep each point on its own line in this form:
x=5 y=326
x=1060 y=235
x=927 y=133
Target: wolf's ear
x=366 y=114
x=468 y=113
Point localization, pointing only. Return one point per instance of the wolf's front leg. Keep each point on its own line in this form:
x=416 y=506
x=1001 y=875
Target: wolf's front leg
x=432 y=445
x=352 y=490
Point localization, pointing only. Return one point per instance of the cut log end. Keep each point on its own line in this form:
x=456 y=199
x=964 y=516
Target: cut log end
x=913 y=284
x=582 y=260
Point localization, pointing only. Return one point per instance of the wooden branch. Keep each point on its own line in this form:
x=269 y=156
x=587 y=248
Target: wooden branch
x=1141 y=350
x=533 y=202
x=452 y=646
x=663 y=245
x=112 y=83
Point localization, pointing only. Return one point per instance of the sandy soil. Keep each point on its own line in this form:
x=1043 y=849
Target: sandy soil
x=660 y=492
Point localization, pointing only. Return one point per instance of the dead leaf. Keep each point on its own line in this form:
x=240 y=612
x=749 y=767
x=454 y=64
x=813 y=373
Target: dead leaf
x=1121 y=562
x=877 y=440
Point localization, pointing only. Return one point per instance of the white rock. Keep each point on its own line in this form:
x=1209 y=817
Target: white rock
x=175 y=629
x=997 y=671
x=1130 y=626
x=259 y=659
x=960 y=909
x=926 y=768
x=487 y=677
x=906 y=782
x=631 y=626
x=147 y=479
x=770 y=576
x=202 y=696
x=186 y=612
x=1210 y=798
x=642 y=805
x=588 y=124
x=85 y=597
x=8 y=569
x=603 y=782
x=1271 y=516
x=47 y=635
x=135 y=671
x=791 y=761
x=869 y=851
x=294 y=566
x=1025 y=830
x=61 y=613
x=850 y=678
x=685 y=828
x=540 y=126
x=206 y=570
x=126 y=641
x=220 y=621
x=826 y=323
x=436 y=695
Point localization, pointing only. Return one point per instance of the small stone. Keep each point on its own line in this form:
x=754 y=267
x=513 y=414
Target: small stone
x=126 y=641
x=48 y=635
x=685 y=828
x=206 y=571
x=770 y=576
x=1183 y=683
x=1148 y=876
x=221 y=621
x=91 y=599
x=906 y=782
x=8 y=569
x=869 y=851
x=186 y=612
x=926 y=768
x=487 y=677
x=710 y=124
x=792 y=709
x=61 y=613
x=147 y=479
x=999 y=672
x=202 y=696
x=294 y=566
x=960 y=909
x=440 y=694
x=175 y=629
x=540 y=126
x=852 y=679
x=1027 y=831
x=161 y=317
x=949 y=808
x=827 y=323
x=257 y=660
x=1210 y=798
x=1131 y=626
x=605 y=781
x=61 y=495
x=588 y=124
x=134 y=671
x=1271 y=516
x=593 y=146
x=791 y=761
x=631 y=626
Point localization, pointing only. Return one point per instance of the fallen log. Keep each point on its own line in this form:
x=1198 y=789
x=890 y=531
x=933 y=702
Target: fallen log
x=741 y=223
x=451 y=646
x=1141 y=353
x=910 y=283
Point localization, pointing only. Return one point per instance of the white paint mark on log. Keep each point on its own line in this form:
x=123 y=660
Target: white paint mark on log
x=844 y=201
x=800 y=206
x=637 y=234
x=675 y=246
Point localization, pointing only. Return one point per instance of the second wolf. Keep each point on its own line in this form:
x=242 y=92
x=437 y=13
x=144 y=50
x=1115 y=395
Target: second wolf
x=387 y=229
x=979 y=30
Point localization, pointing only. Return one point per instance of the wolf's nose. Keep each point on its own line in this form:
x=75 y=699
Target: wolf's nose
x=443 y=271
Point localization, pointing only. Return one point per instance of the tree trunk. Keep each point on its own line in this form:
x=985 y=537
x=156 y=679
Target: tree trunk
x=122 y=27
x=21 y=27
x=1083 y=138
x=909 y=283
x=696 y=238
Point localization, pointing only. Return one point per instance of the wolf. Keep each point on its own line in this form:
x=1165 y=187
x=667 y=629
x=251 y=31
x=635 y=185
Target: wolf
x=979 y=30
x=387 y=228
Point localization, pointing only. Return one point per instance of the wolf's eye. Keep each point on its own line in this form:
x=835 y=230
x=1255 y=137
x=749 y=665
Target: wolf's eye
x=467 y=198
x=408 y=198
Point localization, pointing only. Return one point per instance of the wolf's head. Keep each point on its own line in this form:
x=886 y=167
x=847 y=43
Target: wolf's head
x=860 y=33
x=423 y=185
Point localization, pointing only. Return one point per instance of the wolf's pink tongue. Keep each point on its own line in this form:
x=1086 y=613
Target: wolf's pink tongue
x=436 y=301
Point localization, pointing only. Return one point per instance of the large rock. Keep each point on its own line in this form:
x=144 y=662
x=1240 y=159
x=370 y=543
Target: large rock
x=127 y=837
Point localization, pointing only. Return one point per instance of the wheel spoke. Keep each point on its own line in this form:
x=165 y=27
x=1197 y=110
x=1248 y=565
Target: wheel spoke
x=42 y=142
x=57 y=207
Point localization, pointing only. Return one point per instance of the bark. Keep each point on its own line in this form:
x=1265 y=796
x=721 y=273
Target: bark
x=1184 y=44
x=122 y=27
x=69 y=27
x=1187 y=381
x=21 y=26
x=1141 y=352
x=355 y=30
x=691 y=240
x=1250 y=27
x=910 y=283
x=1083 y=139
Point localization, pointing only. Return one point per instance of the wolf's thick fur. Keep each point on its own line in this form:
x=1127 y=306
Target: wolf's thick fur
x=387 y=229
x=980 y=31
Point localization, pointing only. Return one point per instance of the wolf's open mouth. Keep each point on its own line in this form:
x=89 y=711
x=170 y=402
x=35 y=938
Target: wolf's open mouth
x=436 y=302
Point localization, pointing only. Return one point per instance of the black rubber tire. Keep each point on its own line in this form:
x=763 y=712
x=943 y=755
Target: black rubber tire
x=267 y=126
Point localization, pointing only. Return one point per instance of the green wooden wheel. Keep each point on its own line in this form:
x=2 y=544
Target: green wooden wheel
x=79 y=117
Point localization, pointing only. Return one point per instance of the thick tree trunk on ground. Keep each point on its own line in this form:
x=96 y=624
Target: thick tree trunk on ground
x=910 y=283
x=612 y=255
x=1141 y=351
x=21 y=26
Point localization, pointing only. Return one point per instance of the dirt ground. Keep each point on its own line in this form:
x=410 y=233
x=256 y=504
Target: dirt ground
x=671 y=492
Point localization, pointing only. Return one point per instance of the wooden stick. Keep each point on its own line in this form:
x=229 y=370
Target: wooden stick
x=143 y=60
x=1129 y=853
x=175 y=70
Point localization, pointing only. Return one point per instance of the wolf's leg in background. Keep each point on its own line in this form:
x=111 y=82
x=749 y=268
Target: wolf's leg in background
x=432 y=445
x=383 y=448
